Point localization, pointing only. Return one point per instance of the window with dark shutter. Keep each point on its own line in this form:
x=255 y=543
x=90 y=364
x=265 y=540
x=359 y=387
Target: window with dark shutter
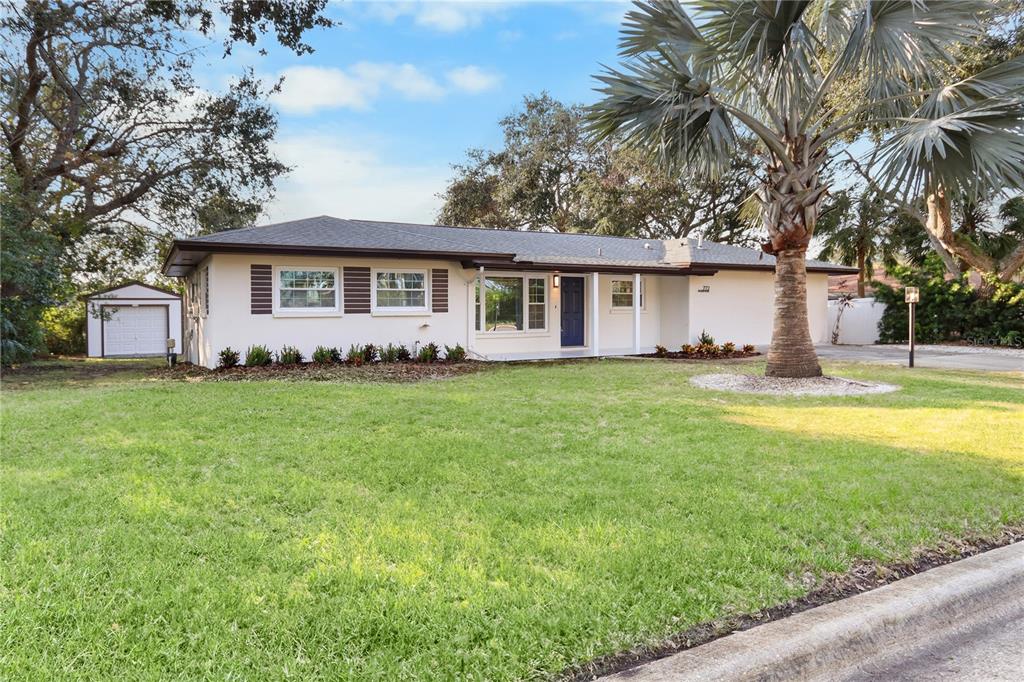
x=439 y=290
x=206 y=291
x=261 y=289
x=357 y=290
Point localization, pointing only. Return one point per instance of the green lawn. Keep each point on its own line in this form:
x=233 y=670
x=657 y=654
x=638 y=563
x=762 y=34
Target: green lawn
x=501 y=525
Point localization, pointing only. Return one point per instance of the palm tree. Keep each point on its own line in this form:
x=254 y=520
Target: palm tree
x=859 y=229
x=782 y=72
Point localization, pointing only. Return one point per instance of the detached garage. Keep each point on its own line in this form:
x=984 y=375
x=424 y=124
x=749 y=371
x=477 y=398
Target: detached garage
x=132 y=320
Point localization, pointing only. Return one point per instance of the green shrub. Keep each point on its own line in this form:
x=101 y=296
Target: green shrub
x=660 y=351
x=289 y=355
x=389 y=353
x=228 y=358
x=355 y=355
x=951 y=310
x=705 y=338
x=323 y=355
x=454 y=353
x=708 y=350
x=64 y=329
x=1012 y=338
x=370 y=353
x=748 y=348
x=728 y=347
x=258 y=356
x=687 y=349
x=428 y=353
x=403 y=353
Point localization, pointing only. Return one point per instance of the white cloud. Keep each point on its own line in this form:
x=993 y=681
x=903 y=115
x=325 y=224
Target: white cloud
x=404 y=79
x=336 y=177
x=507 y=36
x=445 y=16
x=473 y=79
x=308 y=89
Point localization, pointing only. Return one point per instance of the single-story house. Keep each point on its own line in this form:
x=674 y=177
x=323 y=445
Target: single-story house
x=501 y=294
x=132 y=319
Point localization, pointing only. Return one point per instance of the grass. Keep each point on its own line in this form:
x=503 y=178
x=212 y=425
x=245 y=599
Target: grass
x=503 y=525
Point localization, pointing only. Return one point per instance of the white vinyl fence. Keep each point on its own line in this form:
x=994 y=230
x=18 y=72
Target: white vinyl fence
x=858 y=323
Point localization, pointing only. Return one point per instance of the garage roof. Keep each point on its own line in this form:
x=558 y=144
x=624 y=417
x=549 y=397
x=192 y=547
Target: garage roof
x=106 y=293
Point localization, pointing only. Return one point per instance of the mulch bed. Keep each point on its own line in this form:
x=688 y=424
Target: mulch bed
x=392 y=372
x=864 y=576
x=679 y=355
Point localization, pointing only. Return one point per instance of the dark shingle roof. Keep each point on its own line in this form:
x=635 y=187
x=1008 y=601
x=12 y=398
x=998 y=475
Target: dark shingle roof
x=325 y=232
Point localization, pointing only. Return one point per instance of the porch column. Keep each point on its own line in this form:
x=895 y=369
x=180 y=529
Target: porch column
x=483 y=306
x=636 y=314
x=595 y=309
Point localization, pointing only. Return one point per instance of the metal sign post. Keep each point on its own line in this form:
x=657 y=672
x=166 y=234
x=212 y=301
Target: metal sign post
x=911 y=295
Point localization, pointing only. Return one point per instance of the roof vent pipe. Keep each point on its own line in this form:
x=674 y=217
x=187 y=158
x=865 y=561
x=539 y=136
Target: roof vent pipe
x=700 y=240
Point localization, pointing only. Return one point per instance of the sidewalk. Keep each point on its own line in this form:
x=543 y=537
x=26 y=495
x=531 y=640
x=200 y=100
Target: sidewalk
x=935 y=357
x=934 y=623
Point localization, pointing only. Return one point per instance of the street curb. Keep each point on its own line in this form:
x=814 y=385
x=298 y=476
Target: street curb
x=839 y=637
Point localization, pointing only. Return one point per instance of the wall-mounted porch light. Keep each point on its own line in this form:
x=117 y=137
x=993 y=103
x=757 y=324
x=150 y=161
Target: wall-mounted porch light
x=555 y=281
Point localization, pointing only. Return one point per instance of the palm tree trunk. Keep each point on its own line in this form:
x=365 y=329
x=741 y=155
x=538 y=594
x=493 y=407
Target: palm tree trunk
x=791 y=353
x=861 y=258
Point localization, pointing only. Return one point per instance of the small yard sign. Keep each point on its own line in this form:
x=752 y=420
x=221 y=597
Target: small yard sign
x=911 y=295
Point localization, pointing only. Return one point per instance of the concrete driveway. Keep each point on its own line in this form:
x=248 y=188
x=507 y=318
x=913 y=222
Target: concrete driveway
x=937 y=357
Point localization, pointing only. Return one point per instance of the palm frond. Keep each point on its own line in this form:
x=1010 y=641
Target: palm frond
x=1002 y=81
x=974 y=150
x=900 y=42
x=657 y=106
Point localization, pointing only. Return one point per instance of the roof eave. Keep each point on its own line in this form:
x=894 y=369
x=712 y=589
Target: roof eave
x=288 y=249
x=770 y=267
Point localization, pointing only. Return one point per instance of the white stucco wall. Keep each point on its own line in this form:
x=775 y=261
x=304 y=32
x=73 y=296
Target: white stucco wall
x=675 y=311
x=231 y=323
x=859 y=322
x=738 y=306
x=129 y=295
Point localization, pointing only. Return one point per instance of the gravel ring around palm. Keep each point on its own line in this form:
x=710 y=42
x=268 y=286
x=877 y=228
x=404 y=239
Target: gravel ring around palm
x=817 y=386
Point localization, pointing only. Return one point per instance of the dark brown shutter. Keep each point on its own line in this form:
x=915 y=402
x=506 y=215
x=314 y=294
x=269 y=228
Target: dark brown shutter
x=439 y=290
x=357 y=290
x=261 y=289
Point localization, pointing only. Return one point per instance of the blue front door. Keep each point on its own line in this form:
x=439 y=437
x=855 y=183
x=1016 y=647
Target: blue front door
x=572 y=311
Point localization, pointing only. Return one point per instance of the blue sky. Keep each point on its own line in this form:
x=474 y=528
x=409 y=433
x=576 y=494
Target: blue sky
x=372 y=120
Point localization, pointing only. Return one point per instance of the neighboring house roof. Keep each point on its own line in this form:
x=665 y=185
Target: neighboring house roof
x=129 y=283
x=476 y=246
x=847 y=284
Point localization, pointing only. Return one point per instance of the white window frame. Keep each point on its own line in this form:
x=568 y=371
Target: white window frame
x=280 y=311
x=628 y=308
x=526 y=330
x=400 y=310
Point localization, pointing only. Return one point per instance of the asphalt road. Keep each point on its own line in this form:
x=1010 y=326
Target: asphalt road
x=991 y=652
x=929 y=356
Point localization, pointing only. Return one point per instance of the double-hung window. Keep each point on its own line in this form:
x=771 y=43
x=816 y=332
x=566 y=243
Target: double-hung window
x=512 y=304
x=400 y=291
x=312 y=290
x=622 y=294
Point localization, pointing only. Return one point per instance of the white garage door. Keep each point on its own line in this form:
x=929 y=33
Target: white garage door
x=140 y=330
